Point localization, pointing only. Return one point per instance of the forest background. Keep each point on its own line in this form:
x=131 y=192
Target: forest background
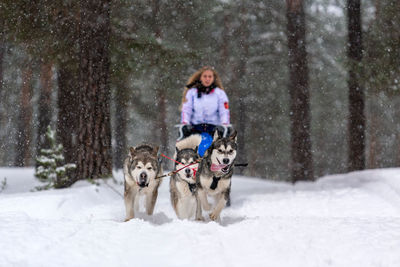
x=154 y=46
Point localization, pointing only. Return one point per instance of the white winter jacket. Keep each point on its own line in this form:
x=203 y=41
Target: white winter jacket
x=212 y=108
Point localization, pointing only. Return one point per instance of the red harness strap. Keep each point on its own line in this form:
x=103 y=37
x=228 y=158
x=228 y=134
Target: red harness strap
x=170 y=158
x=193 y=169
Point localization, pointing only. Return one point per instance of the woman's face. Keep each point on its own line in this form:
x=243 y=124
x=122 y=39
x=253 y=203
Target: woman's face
x=207 y=78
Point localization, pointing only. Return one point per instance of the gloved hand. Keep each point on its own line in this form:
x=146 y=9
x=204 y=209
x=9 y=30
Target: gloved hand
x=187 y=130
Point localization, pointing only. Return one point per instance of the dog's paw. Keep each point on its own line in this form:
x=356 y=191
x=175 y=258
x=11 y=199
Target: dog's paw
x=200 y=219
x=214 y=217
x=128 y=219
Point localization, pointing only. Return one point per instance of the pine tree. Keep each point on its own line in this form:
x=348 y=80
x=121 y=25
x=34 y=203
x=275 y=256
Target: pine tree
x=94 y=158
x=50 y=164
x=302 y=165
x=357 y=120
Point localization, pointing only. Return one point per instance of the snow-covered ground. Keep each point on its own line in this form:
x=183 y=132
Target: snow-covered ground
x=341 y=220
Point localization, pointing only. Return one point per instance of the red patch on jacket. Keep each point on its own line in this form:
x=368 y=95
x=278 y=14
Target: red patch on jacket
x=226 y=105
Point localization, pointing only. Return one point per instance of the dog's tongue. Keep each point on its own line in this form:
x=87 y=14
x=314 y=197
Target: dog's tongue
x=217 y=167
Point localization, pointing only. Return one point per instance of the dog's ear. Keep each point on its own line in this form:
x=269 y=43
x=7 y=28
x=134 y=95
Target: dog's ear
x=155 y=151
x=216 y=136
x=233 y=136
x=132 y=152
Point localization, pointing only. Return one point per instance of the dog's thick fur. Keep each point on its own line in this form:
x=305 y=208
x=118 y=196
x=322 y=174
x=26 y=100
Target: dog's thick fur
x=191 y=141
x=216 y=183
x=183 y=189
x=141 y=168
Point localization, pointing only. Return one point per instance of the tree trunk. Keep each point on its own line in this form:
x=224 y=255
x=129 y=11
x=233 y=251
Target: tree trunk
x=94 y=136
x=162 y=118
x=397 y=129
x=68 y=116
x=236 y=83
x=356 y=160
x=225 y=41
x=24 y=120
x=373 y=140
x=45 y=108
x=301 y=165
x=161 y=91
x=244 y=35
x=2 y=53
x=121 y=114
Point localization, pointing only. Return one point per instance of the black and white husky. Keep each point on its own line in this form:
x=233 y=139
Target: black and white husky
x=183 y=189
x=141 y=168
x=213 y=177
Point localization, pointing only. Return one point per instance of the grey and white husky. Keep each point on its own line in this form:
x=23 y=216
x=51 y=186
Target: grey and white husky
x=141 y=168
x=183 y=189
x=214 y=175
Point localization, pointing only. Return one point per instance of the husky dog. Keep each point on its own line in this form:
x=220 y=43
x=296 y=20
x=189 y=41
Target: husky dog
x=183 y=184
x=213 y=177
x=141 y=168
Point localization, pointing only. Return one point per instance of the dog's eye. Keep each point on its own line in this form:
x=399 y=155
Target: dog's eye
x=138 y=167
x=230 y=151
x=149 y=168
x=220 y=151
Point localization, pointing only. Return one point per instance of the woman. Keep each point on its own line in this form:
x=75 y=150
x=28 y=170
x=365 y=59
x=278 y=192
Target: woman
x=205 y=104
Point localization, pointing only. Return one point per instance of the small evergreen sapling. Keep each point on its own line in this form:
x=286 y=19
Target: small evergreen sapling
x=50 y=164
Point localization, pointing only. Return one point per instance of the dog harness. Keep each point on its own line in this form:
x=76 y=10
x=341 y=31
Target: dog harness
x=192 y=187
x=214 y=183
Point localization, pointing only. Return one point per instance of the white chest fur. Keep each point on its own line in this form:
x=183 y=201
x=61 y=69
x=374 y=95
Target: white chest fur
x=186 y=206
x=183 y=189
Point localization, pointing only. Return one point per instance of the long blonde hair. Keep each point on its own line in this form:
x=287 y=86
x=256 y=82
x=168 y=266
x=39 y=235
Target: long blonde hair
x=196 y=77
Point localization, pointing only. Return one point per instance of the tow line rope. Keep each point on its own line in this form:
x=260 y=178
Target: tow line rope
x=173 y=172
x=241 y=165
x=194 y=169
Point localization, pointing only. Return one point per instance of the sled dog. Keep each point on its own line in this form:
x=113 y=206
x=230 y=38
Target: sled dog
x=193 y=141
x=141 y=168
x=214 y=175
x=183 y=189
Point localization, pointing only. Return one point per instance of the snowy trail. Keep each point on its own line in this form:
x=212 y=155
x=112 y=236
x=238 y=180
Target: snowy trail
x=341 y=220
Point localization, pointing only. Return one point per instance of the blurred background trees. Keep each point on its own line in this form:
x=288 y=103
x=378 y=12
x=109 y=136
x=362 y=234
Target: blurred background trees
x=153 y=48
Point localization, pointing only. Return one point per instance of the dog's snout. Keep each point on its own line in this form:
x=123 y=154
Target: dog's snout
x=225 y=161
x=187 y=170
x=143 y=179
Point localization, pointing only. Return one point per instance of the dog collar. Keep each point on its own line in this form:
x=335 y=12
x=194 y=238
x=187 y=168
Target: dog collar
x=141 y=187
x=192 y=187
